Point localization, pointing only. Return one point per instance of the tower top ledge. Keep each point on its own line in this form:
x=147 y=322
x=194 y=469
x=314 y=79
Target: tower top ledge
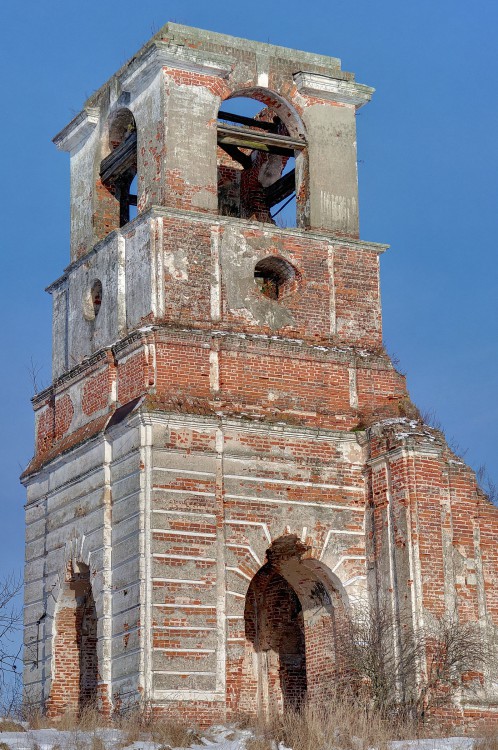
x=198 y=46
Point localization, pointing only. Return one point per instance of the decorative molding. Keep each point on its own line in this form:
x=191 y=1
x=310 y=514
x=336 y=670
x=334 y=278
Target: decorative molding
x=78 y=129
x=326 y=87
x=161 y=54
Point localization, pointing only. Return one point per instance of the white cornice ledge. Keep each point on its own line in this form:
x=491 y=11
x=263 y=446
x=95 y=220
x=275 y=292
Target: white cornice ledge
x=179 y=57
x=325 y=87
x=78 y=129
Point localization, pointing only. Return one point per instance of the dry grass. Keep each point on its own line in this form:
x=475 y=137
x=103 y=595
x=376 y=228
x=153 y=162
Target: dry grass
x=260 y=743
x=7 y=725
x=340 y=724
x=97 y=743
x=488 y=739
x=140 y=725
x=173 y=734
x=88 y=719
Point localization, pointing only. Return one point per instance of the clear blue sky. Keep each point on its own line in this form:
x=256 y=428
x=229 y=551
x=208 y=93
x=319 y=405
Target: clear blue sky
x=427 y=146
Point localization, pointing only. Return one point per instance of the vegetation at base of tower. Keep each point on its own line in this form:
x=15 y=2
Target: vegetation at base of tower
x=10 y=650
x=342 y=723
x=401 y=674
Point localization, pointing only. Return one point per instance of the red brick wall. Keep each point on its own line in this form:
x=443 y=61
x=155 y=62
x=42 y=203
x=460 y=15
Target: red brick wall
x=75 y=664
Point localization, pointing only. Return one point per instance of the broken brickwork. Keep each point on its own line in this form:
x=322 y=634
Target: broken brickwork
x=75 y=675
x=227 y=461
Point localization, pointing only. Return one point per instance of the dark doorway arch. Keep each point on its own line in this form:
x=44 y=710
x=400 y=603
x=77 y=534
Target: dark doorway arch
x=293 y=613
x=274 y=624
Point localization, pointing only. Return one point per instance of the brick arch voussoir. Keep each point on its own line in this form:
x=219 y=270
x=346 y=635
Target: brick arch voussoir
x=285 y=108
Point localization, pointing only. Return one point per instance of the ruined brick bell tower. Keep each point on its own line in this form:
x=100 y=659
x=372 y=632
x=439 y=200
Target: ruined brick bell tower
x=223 y=464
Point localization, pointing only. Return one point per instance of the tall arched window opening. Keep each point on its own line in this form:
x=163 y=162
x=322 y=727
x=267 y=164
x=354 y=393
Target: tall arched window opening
x=75 y=676
x=118 y=170
x=259 y=142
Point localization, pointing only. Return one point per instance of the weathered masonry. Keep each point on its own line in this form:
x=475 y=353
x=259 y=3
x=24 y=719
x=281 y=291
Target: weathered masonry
x=227 y=461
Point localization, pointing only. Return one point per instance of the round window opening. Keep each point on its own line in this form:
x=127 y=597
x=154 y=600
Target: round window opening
x=274 y=277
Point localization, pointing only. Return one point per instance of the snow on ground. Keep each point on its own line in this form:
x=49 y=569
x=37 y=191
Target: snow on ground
x=218 y=738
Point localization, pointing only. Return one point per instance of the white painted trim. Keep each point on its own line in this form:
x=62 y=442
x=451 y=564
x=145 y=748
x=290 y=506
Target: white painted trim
x=78 y=129
x=138 y=76
x=185 y=471
x=185 y=650
x=247 y=547
x=195 y=581
x=354 y=579
x=280 y=501
x=333 y=89
x=164 y=555
x=344 y=558
x=295 y=482
x=239 y=572
x=261 y=524
x=183 y=513
x=179 y=532
x=182 y=492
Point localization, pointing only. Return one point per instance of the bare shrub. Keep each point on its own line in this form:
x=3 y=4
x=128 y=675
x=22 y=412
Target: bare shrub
x=400 y=674
x=379 y=658
x=10 y=649
x=456 y=656
x=487 y=485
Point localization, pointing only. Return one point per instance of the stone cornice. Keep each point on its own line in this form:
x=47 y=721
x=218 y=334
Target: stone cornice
x=334 y=89
x=71 y=376
x=78 y=129
x=246 y=426
x=407 y=450
x=179 y=57
x=204 y=338
x=313 y=234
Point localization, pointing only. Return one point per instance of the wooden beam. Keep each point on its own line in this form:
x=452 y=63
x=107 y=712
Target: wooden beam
x=236 y=154
x=119 y=161
x=256 y=145
x=272 y=127
x=281 y=188
x=247 y=138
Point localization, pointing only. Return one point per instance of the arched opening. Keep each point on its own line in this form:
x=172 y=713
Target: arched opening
x=292 y=618
x=274 y=624
x=118 y=170
x=75 y=661
x=261 y=148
